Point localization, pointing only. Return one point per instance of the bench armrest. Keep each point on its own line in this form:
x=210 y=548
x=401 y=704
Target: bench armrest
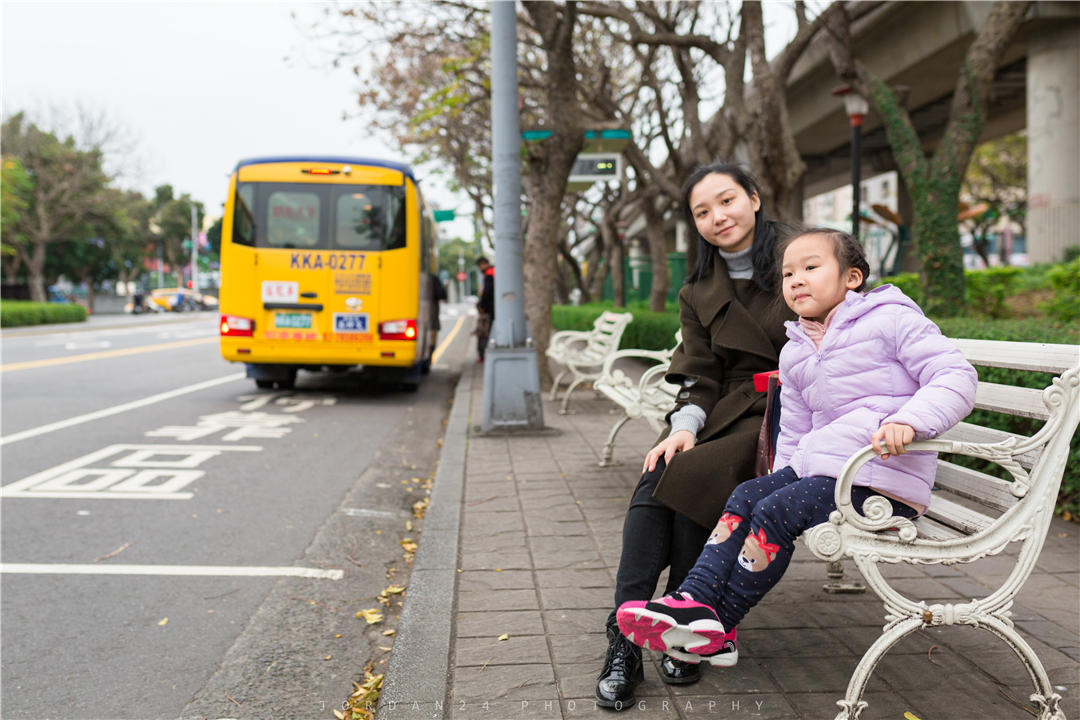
x=610 y=376
x=564 y=339
x=878 y=510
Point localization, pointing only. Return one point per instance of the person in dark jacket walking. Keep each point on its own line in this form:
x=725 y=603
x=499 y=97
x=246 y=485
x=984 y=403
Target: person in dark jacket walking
x=485 y=305
x=732 y=328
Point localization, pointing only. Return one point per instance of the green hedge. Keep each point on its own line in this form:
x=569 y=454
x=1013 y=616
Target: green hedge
x=649 y=330
x=655 y=331
x=15 y=313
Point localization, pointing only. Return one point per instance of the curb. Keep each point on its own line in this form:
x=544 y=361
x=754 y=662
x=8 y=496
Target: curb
x=419 y=669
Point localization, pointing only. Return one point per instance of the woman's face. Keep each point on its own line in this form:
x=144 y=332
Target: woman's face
x=723 y=212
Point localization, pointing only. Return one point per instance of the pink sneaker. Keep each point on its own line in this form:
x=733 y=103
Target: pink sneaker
x=726 y=656
x=673 y=621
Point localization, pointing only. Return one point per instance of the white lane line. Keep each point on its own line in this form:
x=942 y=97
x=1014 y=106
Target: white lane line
x=201 y=570
x=364 y=512
x=117 y=409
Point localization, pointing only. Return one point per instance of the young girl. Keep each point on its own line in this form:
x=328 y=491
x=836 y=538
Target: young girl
x=859 y=367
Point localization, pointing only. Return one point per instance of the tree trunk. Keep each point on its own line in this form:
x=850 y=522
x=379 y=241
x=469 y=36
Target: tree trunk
x=550 y=161
x=618 y=277
x=35 y=269
x=654 y=232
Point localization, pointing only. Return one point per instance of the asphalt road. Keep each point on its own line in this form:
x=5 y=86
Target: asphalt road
x=157 y=511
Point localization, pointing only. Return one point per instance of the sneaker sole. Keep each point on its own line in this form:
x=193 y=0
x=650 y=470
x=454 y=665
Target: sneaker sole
x=658 y=631
x=724 y=659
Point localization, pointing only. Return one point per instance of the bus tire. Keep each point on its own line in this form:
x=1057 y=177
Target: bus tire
x=264 y=384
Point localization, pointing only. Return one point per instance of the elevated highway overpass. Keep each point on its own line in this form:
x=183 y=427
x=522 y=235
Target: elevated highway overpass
x=920 y=46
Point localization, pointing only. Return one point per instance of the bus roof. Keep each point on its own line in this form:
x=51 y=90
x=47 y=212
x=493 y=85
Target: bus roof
x=400 y=167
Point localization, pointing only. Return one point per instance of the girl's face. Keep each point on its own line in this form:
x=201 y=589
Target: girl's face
x=723 y=212
x=813 y=281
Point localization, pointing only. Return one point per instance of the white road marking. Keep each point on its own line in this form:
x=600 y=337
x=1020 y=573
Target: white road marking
x=130 y=477
x=117 y=409
x=203 y=570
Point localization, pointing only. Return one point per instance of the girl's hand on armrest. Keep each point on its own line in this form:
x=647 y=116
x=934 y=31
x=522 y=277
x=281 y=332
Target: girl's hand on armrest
x=892 y=439
x=679 y=441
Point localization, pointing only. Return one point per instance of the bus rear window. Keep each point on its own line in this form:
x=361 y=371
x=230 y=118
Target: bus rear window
x=320 y=217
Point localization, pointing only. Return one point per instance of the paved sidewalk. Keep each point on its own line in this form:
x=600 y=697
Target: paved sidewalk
x=522 y=540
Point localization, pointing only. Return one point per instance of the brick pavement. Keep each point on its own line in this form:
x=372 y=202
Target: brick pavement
x=538 y=528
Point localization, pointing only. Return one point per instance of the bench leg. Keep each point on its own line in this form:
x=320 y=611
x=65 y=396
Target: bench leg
x=1049 y=702
x=564 y=410
x=609 y=448
x=555 y=385
x=852 y=705
x=835 y=574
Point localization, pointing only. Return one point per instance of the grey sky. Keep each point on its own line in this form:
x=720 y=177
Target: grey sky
x=198 y=85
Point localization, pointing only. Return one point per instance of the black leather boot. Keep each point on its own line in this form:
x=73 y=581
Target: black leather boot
x=622 y=671
x=679 y=672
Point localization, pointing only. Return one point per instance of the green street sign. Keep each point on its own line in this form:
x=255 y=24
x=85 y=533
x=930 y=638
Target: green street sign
x=443 y=215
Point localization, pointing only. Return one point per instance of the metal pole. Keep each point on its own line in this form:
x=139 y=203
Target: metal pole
x=856 y=163
x=509 y=325
x=511 y=374
x=194 y=248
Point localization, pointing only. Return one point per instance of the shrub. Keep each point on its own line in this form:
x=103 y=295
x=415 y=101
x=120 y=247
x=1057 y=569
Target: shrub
x=649 y=330
x=1065 y=280
x=15 y=313
x=985 y=291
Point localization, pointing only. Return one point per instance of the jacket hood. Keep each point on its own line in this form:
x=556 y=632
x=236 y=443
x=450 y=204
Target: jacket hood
x=855 y=305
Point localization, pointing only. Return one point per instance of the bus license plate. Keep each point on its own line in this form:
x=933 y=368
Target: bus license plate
x=350 y=322
x=300 y=321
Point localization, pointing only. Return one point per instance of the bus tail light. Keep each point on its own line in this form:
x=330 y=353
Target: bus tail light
x=236 y=326
x=397 y=330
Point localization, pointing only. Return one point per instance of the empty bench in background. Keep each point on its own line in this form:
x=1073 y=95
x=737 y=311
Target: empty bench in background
x=649 y=398
x=972 y=514
x=582 y=352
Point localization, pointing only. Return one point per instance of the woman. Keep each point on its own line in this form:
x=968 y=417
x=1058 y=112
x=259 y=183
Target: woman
x=732 y=328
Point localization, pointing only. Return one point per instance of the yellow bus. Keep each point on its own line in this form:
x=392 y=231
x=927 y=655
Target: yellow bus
x=326 y=265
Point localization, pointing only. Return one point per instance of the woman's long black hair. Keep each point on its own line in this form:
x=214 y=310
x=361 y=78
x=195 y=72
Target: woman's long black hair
x=763 y=252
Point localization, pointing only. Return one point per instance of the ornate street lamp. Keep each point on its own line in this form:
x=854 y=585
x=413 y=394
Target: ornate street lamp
x=856 y=107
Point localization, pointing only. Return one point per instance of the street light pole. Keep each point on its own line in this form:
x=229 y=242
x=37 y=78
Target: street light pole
x=511 y=373
x=194 y=249
x=856 y=107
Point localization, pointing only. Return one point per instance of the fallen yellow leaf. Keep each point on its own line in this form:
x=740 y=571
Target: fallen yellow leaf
x=498 y=569
x=338 y=714
x=163 y=621
x=384 y=648
x=328 y=657
x=372 y=615
x=388 y=633
x=504 y=636
x=393 y=590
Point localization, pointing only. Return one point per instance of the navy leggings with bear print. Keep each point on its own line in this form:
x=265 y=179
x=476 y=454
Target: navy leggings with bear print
x=750 y=549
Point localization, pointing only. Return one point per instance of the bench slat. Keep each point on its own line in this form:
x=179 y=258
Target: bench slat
x=955 y=515
x=1041 y=357
x=966 y=432
x=974 y=485
x=932 y=530
x=1011 y=400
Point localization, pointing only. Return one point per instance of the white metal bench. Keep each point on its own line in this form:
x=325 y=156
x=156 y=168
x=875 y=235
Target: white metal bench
x=650 y=398
x=582 y=352
x=972 y=514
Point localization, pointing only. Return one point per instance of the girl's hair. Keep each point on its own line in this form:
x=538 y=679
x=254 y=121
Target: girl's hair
x=848 y=251
x=763 y=252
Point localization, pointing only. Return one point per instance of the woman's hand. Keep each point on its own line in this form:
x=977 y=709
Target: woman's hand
x=679 y=441
x=892 y=439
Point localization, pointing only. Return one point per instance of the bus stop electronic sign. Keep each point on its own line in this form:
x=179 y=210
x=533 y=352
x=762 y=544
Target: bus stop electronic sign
x=595 y=167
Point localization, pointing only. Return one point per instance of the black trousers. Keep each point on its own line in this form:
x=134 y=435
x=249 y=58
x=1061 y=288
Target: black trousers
x=654 y=537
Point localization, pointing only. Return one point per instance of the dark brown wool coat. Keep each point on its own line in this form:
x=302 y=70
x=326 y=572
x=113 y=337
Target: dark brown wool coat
x=731 y=329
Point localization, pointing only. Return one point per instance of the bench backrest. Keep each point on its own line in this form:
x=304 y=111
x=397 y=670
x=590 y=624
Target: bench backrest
x=607 y=332
x=967 y=501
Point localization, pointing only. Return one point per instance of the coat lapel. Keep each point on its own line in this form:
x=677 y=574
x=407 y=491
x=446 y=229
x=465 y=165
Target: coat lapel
x=732 y=325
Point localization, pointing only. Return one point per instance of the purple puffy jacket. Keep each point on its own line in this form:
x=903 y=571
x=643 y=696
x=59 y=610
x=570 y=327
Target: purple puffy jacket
x=881 y=361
